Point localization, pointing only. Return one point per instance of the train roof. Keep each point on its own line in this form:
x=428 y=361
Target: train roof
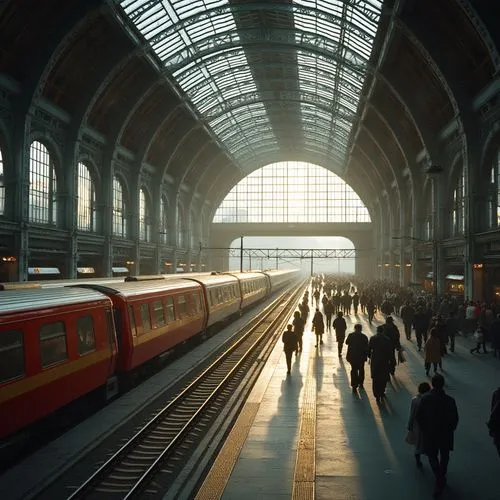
x=38 y=299
x=134 y=288
x=210 y=280
x=246 y=275
x=275 y=272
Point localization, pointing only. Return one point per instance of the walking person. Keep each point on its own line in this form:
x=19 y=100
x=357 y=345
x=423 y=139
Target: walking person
x=452 y=327
x=421 y=326
x=432 y=350
x=289 y=346
x=407 y=312
x=340 y=327
x=298 y=328
x=494 y=420
x=370 y=309
x=413 y=427
x=437 y=416
x=318 y=326
x=328 y=309
x=391 y=331
x=380 y=352
x=480 y=338
x=357 y=352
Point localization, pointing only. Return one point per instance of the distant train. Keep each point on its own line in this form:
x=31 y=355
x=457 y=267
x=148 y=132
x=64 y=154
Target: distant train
x=62 y=342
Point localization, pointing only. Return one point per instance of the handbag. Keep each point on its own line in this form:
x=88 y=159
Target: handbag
x=410 y=437
x=479 y=336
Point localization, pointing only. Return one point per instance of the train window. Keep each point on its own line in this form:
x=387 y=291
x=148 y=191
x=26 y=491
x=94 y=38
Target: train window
x=181 y=302
x=145 y=318
x=53 y=348
x=86 y=335
x=158 y=314
x=197 y=302
x=131 y=318
x=213 y=297
x=236 y=291
x=11 y=355
x=169 y=304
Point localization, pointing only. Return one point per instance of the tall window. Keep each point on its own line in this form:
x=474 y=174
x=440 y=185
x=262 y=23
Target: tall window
x=428 y=221
x=43 y=184
x=144 y=218
x=193 y=231
x=494 y=198
x=292 y=192
x=119 y=209
x=181 y=228
x=86 y=211
x=163 y=220
x=2 y=186
x=458 y=213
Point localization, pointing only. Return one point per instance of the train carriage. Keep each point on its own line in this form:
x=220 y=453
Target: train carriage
x=54 y=348
x=281 y=277
x=152 y=317
x=222 y=294
x=254 y=286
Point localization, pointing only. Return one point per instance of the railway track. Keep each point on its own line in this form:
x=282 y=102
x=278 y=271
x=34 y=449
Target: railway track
x=148 y=464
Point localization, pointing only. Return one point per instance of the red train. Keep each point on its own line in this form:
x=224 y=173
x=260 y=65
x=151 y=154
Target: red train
x=58 y=344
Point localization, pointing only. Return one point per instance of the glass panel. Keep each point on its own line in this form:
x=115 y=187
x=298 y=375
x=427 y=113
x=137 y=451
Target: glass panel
x=213 y=60
x=86 y=335
x=292 y=192
x=163 y=220
x=42 y=190
x=169 y=306
x=11 y=355
x=131 y=318
x=181 y=306
x=145 y=318
x=158 y=314
x=53 y=347
x=119 y=210
x=144 y=228
x=86 y=218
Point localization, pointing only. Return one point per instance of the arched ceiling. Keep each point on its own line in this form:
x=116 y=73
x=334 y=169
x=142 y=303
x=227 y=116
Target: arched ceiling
x=207 y=91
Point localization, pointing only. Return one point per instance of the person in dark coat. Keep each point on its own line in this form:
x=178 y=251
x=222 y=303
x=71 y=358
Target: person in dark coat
x=289 y=340
x=370 y=310
x=437 y=416
x=328 y=309
x=381 y=353
x=357 y=351
x=494 y=420
x=355 y=302
x=452 y=327
x=495 y=336
x=318 y=326
x=298 y=328
x=391 y=331
x=407 y=312
x=421 y=325
x=340 y=327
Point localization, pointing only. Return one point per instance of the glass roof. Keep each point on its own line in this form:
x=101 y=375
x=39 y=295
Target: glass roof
x=296 y=77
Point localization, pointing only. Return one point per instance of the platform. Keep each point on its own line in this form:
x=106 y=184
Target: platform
x=307 y=436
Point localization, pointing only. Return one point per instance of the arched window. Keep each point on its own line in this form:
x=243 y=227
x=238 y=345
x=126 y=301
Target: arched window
x=458 y=211
x=86 y=210
x=181 y=228
x=2 y=186
x=193 y=231
x=494 y=197
x=428 y=221
x=144 y=217
x=43 y=185
x=163 y=220
x=119 y=209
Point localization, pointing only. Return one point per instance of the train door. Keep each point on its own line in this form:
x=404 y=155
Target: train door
x=112 y=382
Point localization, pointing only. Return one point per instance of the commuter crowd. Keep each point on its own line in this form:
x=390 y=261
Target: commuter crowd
x=433 y=415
